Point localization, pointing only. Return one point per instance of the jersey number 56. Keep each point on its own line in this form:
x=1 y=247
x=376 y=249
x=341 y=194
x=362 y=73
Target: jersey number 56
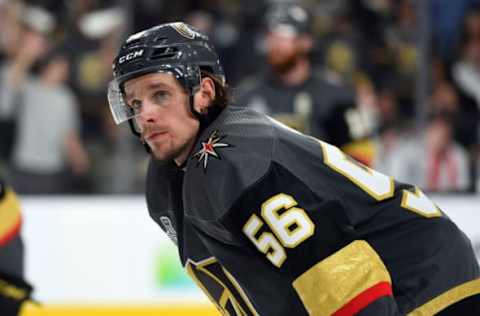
x=290 y=225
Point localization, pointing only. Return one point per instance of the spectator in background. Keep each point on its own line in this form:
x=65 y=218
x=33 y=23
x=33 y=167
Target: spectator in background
x=90 y=43
x=391 y=125
x=342 y=48
x=9 y=46
x=9 y=25
x=349 y=125
x=47 y=143
x=433 y=161
x=446 y=18
x=447 y=98
x=466 y=69
x=291 y=90
x=402 y=38
x=22 y=45
x=464 y=116
x=466 y=76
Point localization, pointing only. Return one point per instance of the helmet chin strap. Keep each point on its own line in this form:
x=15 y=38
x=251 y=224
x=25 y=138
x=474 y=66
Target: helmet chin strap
x=191 y=99
x=204 y=118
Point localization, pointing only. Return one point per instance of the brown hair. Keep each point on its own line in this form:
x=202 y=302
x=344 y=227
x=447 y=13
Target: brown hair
x=223 y=94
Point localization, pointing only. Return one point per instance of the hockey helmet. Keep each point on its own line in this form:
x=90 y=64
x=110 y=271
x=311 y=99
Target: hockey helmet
x=175 y=48
x=288 y=19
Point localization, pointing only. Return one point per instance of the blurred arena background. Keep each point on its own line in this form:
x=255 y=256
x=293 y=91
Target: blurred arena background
x=411 y=108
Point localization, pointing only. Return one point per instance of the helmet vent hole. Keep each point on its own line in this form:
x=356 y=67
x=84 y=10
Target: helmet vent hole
x=160 y=40
x=132 y=43
x=164 y=52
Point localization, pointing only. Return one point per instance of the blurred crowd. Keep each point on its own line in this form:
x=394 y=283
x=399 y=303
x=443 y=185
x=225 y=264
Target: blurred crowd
x=394 y=83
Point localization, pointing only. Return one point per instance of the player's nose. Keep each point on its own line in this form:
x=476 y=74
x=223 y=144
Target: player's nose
x=149 y=112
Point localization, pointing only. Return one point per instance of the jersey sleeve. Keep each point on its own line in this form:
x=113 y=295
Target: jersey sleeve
x=308 y=239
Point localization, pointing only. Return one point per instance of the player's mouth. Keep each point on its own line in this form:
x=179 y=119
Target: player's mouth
x=154 y=135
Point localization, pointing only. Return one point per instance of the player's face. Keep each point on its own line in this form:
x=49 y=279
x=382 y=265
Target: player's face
x=282 y=51
x=163 y=115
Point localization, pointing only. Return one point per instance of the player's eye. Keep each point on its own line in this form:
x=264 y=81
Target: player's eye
x=136 y=105
x=161 y=97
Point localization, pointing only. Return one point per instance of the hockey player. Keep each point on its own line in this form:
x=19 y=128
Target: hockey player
x=14 y=291
x=269 y=221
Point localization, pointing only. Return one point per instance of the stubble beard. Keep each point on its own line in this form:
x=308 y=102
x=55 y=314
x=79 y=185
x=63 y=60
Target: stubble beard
x=283 y=66
x=169 y=156
x=163 y=153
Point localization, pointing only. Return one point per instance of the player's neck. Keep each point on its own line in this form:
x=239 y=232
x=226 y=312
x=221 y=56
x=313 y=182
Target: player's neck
x=297 y=74
x=182 y=158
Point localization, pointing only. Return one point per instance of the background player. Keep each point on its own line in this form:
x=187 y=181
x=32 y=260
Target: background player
x=14 y=290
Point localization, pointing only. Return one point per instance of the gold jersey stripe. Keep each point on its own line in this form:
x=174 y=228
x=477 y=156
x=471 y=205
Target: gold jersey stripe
x=336 y=280
x=9 y=213
x=448 y=298
x=29 y=309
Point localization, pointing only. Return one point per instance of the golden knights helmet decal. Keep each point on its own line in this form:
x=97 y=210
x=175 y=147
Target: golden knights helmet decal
x=184 y=30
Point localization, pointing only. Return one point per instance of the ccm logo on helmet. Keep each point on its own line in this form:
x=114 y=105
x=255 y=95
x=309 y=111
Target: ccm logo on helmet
x=130 y=56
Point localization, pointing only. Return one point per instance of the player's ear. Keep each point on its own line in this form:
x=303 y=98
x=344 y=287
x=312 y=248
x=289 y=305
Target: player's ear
x=205 y=95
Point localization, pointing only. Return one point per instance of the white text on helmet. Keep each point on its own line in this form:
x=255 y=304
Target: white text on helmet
x=130 y=56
